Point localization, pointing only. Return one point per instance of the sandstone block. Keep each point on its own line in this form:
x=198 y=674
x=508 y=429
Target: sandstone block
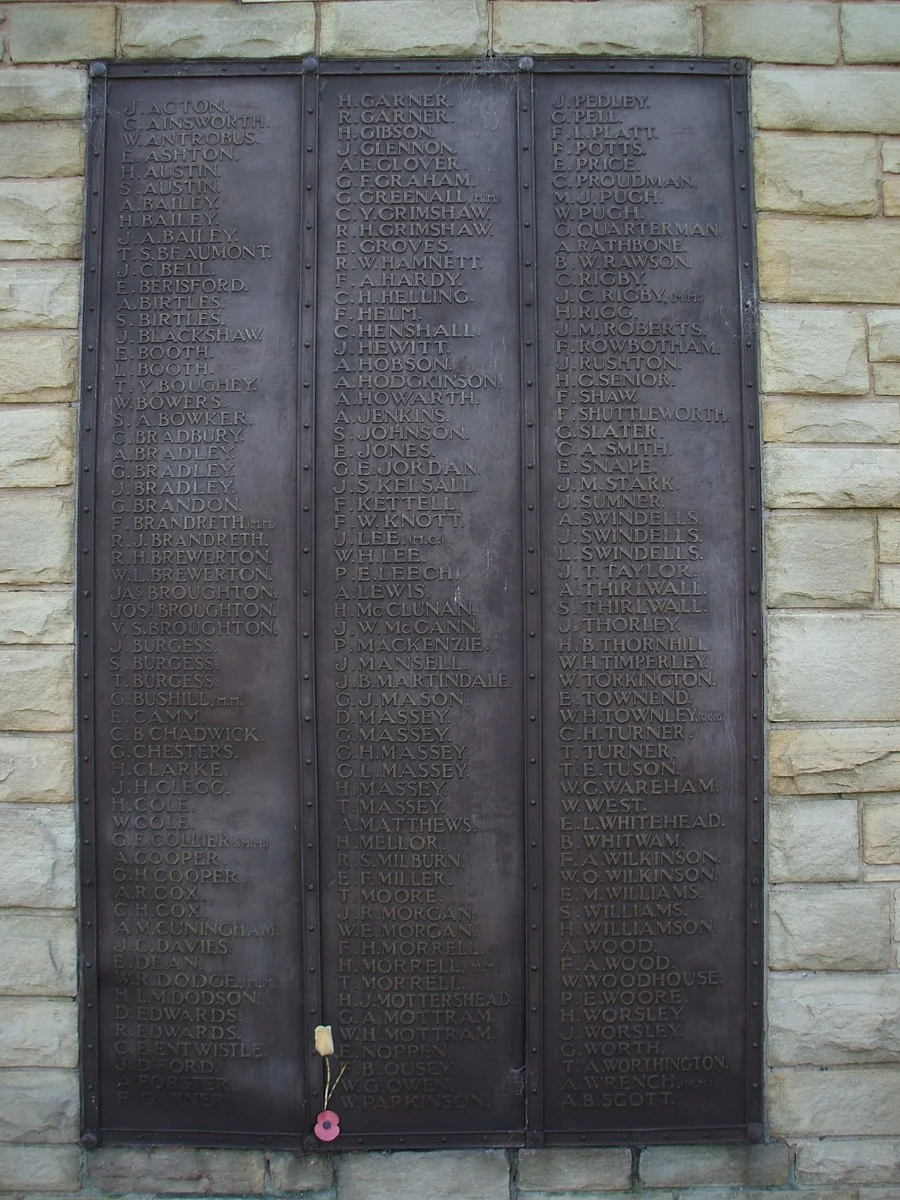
x=834 y=667
x=41 y=151
x=36 y=533
x=823 y=260
x=884 y=336
x=817 y=762
x=574 y=1170
x=830 y=1018
x=40 y=1168
x=813 y=841
x=35 y=689
x=848 y=1160
x=890 y=155
x=852 y=100
x=842 y=1101
x=441 y=1175
x=766 y=1194
x=35 y=769
x=870 y=33
x=889 y=586
x=39 y=296
x=881 y=832
x=48 y=33
x=813 y=350
x=772 y=32
x=38 y=1033
x=32 y=617
x=696 y=1166
x=37 y=856
x=890 y=192
x=886 y=379
x=298 y=1173
x=217 y=31
x=529 y=27
x=829 y=929
x=40 y=218
x=822 y=174
x=833 y=477
x=38 y=1105
x=797 y=419
x=358 y=28
x=657 y=1195
x=177 y=1171
x=37 y=367
x=37 y=955
x=37 y=446
x=42 y=93
x=820 y=561
x=889 y=537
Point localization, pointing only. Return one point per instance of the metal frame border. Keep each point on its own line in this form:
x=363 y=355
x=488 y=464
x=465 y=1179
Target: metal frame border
x=753 y=649
x=533 y=1135
x=85 y=666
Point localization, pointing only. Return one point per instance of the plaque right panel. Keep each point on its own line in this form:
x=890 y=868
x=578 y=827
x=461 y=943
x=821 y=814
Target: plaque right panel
x=646 y=651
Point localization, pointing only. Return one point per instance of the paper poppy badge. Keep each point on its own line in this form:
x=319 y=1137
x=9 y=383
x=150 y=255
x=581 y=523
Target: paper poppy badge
x=327 y=1126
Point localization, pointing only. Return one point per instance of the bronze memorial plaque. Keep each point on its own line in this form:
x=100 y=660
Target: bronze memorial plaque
x=419 y=670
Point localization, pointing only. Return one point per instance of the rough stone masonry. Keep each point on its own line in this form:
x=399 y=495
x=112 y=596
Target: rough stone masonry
x=826 y=116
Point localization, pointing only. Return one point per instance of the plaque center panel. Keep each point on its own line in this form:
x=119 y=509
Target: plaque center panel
x=419 y=600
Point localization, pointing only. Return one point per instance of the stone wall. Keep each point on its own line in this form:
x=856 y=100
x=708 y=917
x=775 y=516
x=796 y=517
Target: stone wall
x=826 y=110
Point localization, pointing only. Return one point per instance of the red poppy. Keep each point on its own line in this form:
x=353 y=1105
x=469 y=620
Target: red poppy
x=328 y=1126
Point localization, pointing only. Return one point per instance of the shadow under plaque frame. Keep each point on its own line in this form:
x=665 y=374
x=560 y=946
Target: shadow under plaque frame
x=418 y=604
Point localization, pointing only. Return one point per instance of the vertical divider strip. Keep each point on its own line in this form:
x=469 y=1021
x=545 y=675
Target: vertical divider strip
x=534 y=1107
x=753 y=587
x=86 y=819
x=311 y=973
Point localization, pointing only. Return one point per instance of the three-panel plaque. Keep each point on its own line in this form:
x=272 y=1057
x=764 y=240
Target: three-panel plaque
x=419 y=633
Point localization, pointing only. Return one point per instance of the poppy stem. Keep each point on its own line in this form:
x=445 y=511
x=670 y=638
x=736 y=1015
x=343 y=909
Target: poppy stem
x=330 y=1087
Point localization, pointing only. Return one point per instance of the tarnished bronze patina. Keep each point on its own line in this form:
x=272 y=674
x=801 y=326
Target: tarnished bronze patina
x=420 y=666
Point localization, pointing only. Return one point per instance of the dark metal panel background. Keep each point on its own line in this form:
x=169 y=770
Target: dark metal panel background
x=419 y=613
x=645 y=605
x=195 y=642
x=508 y=855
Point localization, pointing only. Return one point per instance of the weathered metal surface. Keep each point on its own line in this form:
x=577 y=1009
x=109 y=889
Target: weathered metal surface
x=419 y=608
x=646 y=591
x=192 y=663
x=420 y=668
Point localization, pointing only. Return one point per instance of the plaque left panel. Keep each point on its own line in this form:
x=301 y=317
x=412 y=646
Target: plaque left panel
x=188 y=667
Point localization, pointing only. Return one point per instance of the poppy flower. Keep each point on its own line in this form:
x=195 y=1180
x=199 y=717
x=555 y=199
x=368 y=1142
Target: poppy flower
x=328 y=1126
